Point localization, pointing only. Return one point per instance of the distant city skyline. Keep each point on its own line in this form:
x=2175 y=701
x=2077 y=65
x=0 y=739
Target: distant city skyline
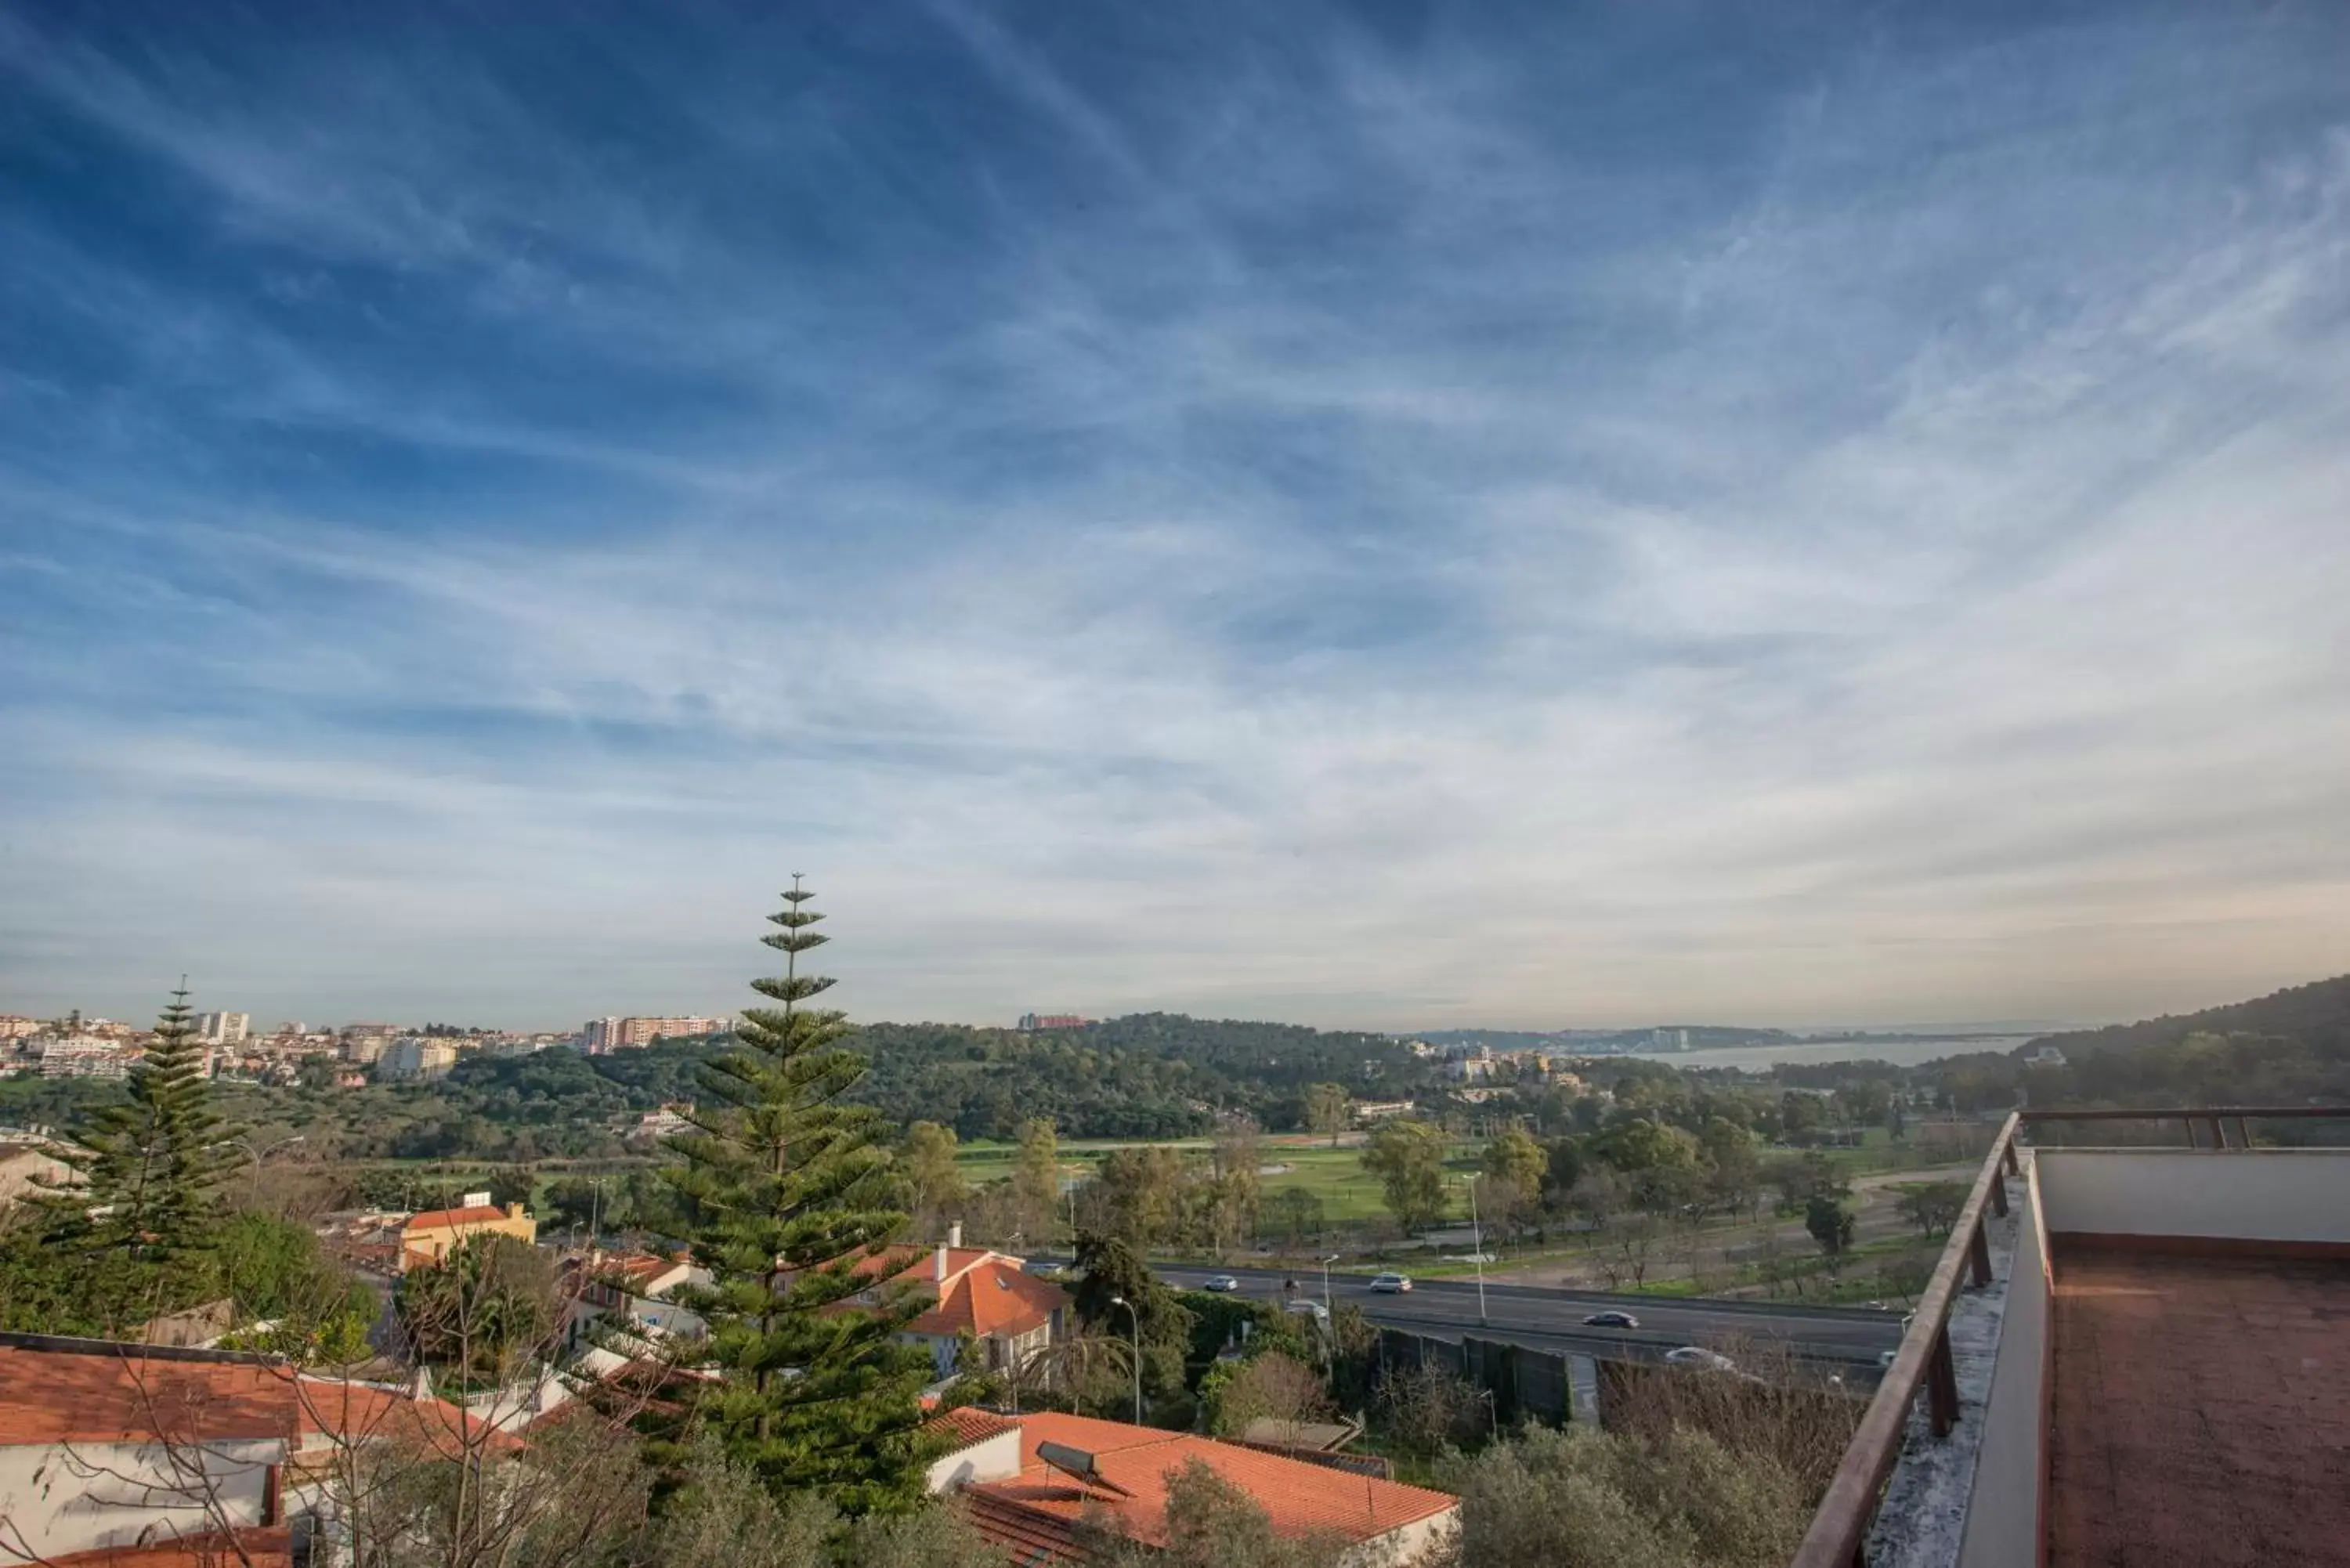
x=1376 y=516
x=334 y=1022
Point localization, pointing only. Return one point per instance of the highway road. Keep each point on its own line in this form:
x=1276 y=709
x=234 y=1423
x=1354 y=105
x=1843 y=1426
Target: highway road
x=1842 y=1339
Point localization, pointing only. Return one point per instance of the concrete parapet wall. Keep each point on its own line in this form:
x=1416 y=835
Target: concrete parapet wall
x=2004 y=1514
x=2292 y=1196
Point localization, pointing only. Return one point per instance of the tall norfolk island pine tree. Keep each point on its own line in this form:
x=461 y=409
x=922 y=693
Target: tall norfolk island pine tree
x=780 y=1178
x=150 y=1168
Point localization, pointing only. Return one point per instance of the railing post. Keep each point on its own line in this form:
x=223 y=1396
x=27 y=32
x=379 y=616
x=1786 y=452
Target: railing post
x=1942 y=1385
x=2190 y=1133
x=1979 y=1253
x=2219 y=1132
x=2015 y=1165
x=1999 y=1194
x=2244 y=1132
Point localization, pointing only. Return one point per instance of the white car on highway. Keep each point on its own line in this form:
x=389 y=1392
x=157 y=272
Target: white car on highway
x=1699 y=1356
x=1391 y=1285
x=1314 y=1309
x=1221 y=1283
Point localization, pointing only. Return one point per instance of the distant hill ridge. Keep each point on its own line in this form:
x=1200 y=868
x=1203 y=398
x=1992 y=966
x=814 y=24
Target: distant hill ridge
x=2317 y=1014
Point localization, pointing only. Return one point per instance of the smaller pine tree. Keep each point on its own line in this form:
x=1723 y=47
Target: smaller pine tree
x=149 y=1169
x=783 y=1184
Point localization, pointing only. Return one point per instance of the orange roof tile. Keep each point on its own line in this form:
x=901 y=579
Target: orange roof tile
x=968 y=1425
x=1029 y=1535
x=1300 y=1499
x=449 y=1219
x=267 y=1546
x=361 y=1412
x=54 y=1390
x=96 y=1391
x=919 y=1265
x=992 y=1298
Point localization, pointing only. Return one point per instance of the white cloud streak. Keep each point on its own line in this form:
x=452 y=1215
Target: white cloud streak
x=1880 y=632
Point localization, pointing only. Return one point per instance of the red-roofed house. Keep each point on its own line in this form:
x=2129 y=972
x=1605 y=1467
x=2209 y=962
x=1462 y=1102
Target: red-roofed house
x=1031 y=1506
x=974 y=1291
x=636 y=1288
x=106 y=1445
x=425 y=1239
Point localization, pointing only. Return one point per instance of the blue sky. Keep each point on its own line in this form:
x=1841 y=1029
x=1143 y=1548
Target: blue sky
x=1380 y=516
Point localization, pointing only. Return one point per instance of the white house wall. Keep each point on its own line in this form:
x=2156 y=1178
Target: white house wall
x=990 y=1459
x=64 y=1498
x=2269 y=1195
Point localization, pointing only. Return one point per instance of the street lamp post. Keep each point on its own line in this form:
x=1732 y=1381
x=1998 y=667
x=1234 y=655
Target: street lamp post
x=1477 y=1246
x=257 y=1156
x=1326 y=1284
x=1121 y=1301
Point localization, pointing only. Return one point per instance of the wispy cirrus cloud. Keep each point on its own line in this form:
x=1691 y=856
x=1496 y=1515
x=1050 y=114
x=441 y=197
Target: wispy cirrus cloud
x=1296 y=514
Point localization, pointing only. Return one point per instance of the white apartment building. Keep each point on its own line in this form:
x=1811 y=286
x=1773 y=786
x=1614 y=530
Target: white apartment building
x=224 y=1028
x=412 y=1057
x=83 y=1056
x=612 y=1033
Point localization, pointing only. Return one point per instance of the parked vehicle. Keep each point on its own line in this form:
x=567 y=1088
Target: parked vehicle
x=1391 y=1285
x=1611 y=1320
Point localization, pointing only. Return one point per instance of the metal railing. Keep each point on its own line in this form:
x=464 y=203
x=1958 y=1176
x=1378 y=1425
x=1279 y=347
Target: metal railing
x=1838 y=1536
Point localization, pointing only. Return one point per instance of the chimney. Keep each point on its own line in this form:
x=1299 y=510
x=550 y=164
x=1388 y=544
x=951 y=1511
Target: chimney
x=513 y=1211
x=939 y=1266
x=955 y=1234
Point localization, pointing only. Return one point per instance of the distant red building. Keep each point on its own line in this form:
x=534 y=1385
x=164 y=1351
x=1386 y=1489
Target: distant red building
x=1032 y=1021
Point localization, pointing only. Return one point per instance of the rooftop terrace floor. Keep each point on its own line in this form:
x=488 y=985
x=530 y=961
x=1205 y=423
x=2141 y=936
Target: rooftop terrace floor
x=2200 y=1412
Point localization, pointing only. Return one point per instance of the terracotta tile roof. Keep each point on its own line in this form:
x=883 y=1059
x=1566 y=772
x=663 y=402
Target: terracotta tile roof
x=449 y=1219
x=361 y=1412
x=637 y=1272
x=1036 y=1509
x=993 y=1297
x=96 y=1391
x=103 y=1391
x=1028 y=1535
x=968 y=1425
x=639 y=1267
x=267 y=1546
x=919 y=1265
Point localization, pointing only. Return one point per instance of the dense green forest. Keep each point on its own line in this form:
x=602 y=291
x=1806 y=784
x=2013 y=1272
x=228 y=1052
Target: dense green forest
x=2291 y=1047
x=1164 y=1075
x=2317 y=1016
x=1152 y=1075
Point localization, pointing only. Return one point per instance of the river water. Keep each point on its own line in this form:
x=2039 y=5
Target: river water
x=1909 y=1050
